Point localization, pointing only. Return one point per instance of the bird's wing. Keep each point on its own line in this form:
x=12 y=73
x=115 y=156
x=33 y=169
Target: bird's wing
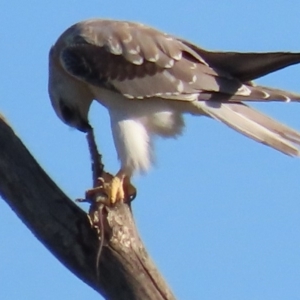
x=141 y=62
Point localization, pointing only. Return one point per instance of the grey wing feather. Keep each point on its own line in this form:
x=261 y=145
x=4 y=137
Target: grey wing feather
x=141 y=62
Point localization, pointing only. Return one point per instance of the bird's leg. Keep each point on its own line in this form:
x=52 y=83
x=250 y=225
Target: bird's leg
x=116 y=188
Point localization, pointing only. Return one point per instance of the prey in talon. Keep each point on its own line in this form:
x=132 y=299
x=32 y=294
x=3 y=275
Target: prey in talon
x=106 y=192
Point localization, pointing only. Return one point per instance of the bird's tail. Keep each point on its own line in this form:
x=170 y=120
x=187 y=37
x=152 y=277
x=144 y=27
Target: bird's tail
x=254 y=125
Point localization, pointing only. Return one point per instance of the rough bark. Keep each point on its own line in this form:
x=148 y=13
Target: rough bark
x=125 y=269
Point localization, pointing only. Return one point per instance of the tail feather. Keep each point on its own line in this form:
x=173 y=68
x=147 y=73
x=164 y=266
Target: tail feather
x=254 y=125
x=226 y=104
x=267 y=122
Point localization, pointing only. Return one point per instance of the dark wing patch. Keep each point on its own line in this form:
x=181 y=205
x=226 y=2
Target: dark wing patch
x=81 y=66
x=98 y=66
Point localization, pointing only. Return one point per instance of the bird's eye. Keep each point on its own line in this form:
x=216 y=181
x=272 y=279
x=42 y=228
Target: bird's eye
x=66 y=112
x=72 y=117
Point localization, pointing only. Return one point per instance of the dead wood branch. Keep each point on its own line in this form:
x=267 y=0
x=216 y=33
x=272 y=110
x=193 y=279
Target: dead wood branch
x=126 y=271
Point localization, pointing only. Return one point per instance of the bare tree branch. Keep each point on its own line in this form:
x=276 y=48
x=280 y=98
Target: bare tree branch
x=126 y=271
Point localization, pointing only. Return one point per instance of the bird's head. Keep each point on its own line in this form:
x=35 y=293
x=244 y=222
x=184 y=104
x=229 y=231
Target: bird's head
x=70 y=98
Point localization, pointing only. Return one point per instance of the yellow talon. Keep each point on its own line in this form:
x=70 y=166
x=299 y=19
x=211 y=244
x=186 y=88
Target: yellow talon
x=116 y=188
x=116 y=192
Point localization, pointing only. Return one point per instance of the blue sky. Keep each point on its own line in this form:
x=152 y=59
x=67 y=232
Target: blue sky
x=219 y=214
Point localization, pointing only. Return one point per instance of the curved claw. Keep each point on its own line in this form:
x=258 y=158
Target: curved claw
x=129 y=189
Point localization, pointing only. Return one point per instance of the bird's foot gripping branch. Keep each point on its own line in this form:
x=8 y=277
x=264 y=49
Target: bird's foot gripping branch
x=112 y=189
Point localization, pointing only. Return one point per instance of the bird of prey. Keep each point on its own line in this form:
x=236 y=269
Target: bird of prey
x=148 y=80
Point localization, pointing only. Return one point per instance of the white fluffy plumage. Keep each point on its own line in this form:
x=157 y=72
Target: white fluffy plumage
x=134 y=125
